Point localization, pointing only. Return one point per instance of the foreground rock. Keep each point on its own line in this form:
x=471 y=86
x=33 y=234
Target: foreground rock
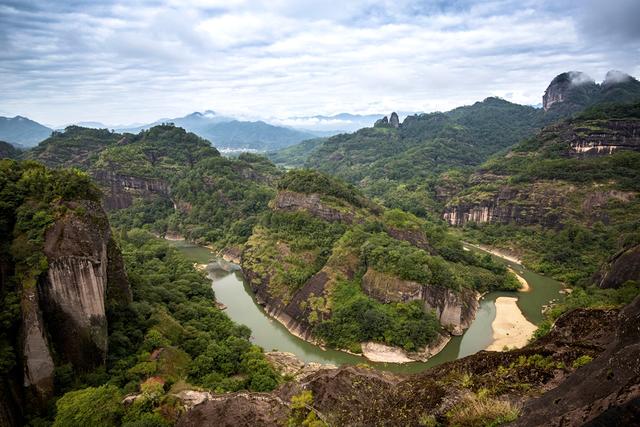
x=601 y=392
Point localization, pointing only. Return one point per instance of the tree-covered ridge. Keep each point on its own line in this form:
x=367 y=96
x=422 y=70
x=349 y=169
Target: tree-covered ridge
x=76 y=146
x=400 y=166
x=309 y=182
x=194 y=191
x=310 y=263
x=217 y=201
x=8 y=151
x=159 y=152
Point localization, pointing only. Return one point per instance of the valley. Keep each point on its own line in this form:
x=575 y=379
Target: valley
x=232 y=290
x=482 y=257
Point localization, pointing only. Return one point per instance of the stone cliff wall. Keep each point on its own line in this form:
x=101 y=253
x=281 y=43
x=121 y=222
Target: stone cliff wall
x=65 y=313
x=120 y=191
x=454 y=310
x=291 y=201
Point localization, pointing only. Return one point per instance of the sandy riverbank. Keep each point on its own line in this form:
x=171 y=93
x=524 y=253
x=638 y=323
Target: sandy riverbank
x=510 y=327
x=497 y=252
x=524 y=284
x=376 y=352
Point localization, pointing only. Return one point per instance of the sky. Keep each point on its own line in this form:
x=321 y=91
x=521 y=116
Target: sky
x=121 y=62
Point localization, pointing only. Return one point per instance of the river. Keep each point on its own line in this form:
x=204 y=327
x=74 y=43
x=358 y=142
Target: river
x=232 y=291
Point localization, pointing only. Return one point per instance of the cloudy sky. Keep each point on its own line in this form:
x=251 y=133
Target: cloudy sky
x=139 y=60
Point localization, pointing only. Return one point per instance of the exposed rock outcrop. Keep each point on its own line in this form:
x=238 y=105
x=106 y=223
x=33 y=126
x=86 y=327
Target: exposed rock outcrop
x=65 y=314
x=624 y=266
x=394 y=121
x=604 y=392
x=312 y=203
x=74 y=291
x=238 y=409
x=36 y=353
x=559 y=89
x=536 y=204
x=454 y=310
x=289 y=365
x=120 y=191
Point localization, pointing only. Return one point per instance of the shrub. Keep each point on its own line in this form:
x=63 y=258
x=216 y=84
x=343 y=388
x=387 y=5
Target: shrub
x=78 y=408
x=581 y=361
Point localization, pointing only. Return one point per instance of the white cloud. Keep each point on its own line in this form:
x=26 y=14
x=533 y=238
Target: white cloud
x=140 y=60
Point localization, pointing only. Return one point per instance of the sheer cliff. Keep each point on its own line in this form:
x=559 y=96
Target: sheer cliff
x=61 y=269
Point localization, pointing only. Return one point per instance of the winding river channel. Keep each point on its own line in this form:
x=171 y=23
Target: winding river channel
x=232 y=291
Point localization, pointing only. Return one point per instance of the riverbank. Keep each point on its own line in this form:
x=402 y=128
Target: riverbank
x=510 y=328
x=509 y=256
x=524 y=285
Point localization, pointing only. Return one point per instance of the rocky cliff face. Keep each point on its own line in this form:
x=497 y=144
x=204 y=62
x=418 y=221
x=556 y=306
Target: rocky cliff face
x=624 y=266
x=121 y=190
x=312 y=203
x=595 y=137
x=65 y=313
x=526 y=205
x=454 y=310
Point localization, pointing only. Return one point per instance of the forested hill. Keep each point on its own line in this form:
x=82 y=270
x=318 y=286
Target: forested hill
x=400 y=164
x=168 y=180
x=567 y=199
x=333 y=266
x=415 y=165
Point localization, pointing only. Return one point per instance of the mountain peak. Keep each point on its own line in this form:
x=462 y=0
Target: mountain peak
x=562 y=84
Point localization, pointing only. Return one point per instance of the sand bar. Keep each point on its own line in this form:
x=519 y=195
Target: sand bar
x=497 y=252
x=524 y=284
x=377 y=352
x=510 y=327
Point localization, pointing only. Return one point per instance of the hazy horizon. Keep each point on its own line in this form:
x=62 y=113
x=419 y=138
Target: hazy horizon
x=135 y=62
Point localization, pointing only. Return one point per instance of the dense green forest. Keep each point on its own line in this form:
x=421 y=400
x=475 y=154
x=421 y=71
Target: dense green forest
x=209 y=198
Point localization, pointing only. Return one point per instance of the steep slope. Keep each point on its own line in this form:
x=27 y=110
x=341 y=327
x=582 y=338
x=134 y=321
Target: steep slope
x=8 y=151
x=60 y=270
x=334 y=267
x=573 y=91
x=22 y=131
x=567 y=198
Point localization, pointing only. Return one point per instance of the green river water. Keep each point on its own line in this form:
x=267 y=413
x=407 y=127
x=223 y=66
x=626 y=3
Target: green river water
x=231 y=290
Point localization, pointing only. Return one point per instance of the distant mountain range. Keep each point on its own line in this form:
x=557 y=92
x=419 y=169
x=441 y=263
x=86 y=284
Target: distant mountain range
x=225 y=133
x=22 y=132
x=330 y=125
x=228 y=134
